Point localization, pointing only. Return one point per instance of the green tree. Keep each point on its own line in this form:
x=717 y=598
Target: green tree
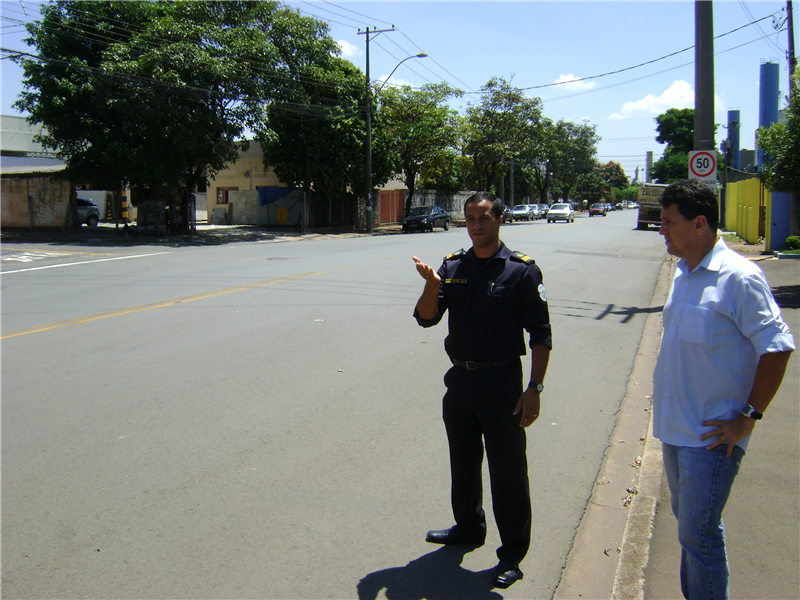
x=570 y=155
x=613 y=175
x=155 y=94
x=675 y=129
x=421 y=127
x=781 y=145
x=501 y=127
x=313 y=137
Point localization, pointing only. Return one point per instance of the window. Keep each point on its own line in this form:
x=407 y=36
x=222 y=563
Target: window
x=222 y=194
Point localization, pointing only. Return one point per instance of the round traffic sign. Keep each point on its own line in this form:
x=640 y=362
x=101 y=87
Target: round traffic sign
x=703 y=164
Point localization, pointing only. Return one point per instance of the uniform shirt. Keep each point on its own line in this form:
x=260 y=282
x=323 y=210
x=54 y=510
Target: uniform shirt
x=718 y=320
x=491 y=301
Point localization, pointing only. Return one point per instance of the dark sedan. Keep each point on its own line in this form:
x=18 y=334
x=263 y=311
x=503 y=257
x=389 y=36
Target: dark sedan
x=597 y=208
x=425 y=218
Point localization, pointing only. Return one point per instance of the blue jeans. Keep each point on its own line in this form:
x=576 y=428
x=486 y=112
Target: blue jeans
x=700 y=482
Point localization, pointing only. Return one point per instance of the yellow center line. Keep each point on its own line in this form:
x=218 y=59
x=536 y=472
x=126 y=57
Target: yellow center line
x=135 y=309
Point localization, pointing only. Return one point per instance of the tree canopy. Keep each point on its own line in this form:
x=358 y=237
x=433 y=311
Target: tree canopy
x=156 y=94
x=421 y=128
x=501 y=127
x=781 y=145
x=675 y=129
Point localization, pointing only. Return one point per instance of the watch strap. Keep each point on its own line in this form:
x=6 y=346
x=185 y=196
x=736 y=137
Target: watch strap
x=536 y=385
x=749 y=411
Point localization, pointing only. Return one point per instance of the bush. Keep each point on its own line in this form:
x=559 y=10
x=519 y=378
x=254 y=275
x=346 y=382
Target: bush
x=793 y=242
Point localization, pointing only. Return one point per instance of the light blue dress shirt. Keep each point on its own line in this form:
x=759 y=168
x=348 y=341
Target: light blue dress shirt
x=718 y=320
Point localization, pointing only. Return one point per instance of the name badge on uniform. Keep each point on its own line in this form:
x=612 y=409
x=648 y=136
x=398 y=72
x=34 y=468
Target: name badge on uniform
x=455 y=281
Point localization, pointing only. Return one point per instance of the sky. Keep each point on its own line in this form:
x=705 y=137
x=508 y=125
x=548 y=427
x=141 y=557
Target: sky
x=616 y=65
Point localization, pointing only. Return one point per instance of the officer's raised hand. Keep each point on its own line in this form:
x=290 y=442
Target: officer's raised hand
x=428 y=273
x=427 y=305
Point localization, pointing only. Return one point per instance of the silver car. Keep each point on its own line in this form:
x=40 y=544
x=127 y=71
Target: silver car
x=87 y=212
x=522 y=212
x=561 y=212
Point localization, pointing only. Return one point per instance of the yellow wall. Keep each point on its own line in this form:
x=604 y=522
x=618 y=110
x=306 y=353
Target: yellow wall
x=742 y=206
x=247 y=173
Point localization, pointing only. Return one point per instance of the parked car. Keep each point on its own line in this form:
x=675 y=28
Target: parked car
x=610 y=206
x=425 y=218
x=537 y=211
x=561 y=212
x=598 y=208
x=508 y=216
x=522 y=212
x=544 y=208
x=87 y=212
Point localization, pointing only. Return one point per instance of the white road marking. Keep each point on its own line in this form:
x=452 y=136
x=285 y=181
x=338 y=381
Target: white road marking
x=83 y=262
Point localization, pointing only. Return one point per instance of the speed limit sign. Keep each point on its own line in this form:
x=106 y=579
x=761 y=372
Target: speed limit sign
x=703 y=165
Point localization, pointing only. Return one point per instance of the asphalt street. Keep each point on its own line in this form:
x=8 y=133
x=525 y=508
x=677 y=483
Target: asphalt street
x=260 y=418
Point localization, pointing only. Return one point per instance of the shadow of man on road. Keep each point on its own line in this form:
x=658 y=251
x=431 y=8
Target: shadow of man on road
x=435 y=576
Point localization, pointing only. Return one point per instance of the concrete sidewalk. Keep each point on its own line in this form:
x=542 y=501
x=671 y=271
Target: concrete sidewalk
x=762 y=517
x=626 y=546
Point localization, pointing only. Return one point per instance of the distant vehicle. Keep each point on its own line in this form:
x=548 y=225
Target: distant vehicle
x=610 y=206
x=508 y=217
x=649 y=207
x=87 y=212
x=425 y=218
x=598 y=208
x=545 y=208
x=538 y=211
x=561 y=212
x=522 y=212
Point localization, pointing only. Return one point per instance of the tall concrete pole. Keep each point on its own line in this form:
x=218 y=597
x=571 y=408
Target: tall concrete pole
x=794 y=197
x=704 y=75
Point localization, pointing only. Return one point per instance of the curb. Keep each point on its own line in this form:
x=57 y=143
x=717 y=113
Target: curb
x=619 y=516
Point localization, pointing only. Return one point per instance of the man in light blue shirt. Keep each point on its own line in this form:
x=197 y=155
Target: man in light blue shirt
x=722 y=359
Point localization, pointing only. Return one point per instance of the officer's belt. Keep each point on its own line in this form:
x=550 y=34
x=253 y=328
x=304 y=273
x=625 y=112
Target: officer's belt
x=473 y=365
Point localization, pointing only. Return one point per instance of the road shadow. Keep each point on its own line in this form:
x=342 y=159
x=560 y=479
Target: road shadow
x=434 y=576
x=599 y=312
x=112 y=237
x=787 y=296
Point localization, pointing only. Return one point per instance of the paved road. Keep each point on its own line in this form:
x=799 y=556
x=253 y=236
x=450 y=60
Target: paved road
x=261 y=420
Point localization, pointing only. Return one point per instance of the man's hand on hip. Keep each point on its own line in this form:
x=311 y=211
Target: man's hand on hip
x=528 y=404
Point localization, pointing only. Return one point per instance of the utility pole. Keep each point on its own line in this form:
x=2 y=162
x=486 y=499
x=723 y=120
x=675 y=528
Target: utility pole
x=370 y=217
x=790 y=52
x=794 y=197
x=704 y=75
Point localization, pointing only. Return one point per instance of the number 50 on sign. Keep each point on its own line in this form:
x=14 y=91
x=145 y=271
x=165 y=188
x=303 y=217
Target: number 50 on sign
x=703 y=165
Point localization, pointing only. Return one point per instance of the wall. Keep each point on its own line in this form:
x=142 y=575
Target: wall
x=35 y=200
x=247 y=173
x=742 y=208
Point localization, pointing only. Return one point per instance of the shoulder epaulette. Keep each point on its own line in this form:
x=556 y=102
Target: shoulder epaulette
x=522 y=257
x=455 y=255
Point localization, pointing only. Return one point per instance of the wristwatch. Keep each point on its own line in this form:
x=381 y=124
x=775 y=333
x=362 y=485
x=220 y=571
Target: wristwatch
x=536 y=386
x=749 y=411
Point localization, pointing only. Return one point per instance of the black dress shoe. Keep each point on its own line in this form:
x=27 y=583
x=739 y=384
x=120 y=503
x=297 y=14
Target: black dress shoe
x=454 y=536
x=506 y=573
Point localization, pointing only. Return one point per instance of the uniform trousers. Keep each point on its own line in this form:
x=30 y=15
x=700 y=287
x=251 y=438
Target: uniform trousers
x=478 y=409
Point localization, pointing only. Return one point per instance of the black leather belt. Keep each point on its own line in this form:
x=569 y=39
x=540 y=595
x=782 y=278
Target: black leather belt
x=472 y=365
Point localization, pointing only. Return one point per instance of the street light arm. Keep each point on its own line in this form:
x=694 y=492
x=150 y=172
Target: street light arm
x=420 y=55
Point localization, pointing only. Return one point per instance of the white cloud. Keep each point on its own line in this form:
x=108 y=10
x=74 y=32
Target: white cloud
x=678 y=95
x=349 y=50
x=392 y=82
x=570 y=82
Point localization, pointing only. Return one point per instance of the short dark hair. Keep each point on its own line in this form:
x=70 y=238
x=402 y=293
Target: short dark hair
x=693 y=198
x=497 y=203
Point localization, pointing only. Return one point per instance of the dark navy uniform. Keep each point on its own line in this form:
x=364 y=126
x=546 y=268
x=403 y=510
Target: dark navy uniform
x=491 y=301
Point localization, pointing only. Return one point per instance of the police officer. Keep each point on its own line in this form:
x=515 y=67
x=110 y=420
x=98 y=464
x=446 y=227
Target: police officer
x=492 y=295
